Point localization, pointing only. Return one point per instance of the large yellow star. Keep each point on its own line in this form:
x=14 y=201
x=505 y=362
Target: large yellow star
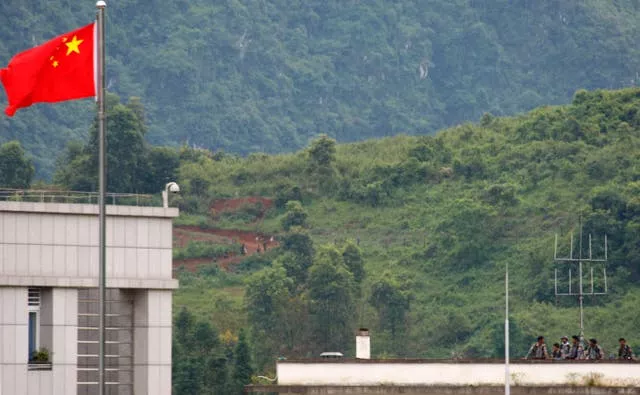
x=73 y=45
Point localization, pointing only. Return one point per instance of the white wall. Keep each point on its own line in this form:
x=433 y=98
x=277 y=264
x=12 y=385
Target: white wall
x=58 y=333
x=66 y=245
x=152 y=342
x=14 y=346
x=55 y=246
x=407 y=373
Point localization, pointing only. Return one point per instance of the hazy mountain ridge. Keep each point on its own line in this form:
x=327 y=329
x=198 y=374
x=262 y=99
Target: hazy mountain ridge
x=253 y=75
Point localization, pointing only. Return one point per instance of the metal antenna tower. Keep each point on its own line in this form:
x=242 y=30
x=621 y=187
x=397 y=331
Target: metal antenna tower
x=580 y=260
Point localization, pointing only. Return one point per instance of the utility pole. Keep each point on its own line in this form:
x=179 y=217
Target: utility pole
x=507 y=373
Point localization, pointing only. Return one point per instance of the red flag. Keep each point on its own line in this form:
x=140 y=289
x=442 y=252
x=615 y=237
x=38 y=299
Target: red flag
x=58 y=70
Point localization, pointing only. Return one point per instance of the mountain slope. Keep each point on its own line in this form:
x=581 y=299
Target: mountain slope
x=255 y=75
x=437 y=219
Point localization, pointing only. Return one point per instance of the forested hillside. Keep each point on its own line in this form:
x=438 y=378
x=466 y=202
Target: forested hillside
x=286 y=255
x=410 y=237
x=267 y=75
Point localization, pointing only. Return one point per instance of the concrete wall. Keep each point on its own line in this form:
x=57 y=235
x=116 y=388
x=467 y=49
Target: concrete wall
x=435 y=390
x=59 y=334
x=54 y=247
x=58 y=320
x=57 y=245
x=152 y=342
x=14 y=348
x=458 y=374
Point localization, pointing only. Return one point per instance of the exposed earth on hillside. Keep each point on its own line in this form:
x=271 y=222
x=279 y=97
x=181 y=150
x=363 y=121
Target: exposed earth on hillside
x=254 y=242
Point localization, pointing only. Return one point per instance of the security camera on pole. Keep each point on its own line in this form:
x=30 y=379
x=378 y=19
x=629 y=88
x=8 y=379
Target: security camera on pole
x=170 y=187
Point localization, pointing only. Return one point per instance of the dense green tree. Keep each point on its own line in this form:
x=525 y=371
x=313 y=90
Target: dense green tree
x=268 y=297
x=132 y=166
x=295 y=215
x=161 y=166
x=73 y=169
x=187 y=374
x=242 y=367
x=322 y=155
x=352 y=257
x=299 y=242
x=16 y=169
x=391 y=300
x=297 y=256
x=200 y=363
x=124 y=146
x=331 y=296
x=184 y=323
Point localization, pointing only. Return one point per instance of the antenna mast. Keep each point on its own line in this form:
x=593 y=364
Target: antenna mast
x=581 y=261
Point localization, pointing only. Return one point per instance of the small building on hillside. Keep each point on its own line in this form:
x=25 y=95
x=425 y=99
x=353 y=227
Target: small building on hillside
x=49 y=312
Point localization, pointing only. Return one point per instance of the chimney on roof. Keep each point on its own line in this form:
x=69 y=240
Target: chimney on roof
x=363 y=344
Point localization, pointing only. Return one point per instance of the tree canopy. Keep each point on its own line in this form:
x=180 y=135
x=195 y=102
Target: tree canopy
x=414 y=239
x=249 y=75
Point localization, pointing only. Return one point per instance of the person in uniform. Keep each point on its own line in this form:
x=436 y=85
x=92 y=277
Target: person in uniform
x=556 y=353
x=625 y=352
x=565 y=347
x=538 y=350
x=594 y=351
x=576 y=351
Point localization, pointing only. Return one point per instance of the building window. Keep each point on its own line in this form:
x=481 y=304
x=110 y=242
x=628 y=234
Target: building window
x=34 y=321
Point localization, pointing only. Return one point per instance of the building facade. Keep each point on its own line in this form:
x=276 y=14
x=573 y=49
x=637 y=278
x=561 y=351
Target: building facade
x=49 y=299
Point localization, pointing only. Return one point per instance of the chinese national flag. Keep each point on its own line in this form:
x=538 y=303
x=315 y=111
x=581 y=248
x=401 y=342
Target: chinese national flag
x=58 y=70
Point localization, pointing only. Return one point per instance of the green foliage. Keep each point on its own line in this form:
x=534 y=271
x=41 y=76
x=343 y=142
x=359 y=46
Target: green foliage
x=242 y=369
x=444 y=216
x=202 y=249
x=247 y=213
x=200 y=361
x=132 y=164
x=297 y=257
x=40 y=355
x=331 y=297
x=268 y=300
x=391 y=300
x=322 y=155
x=16 y=169
x=248 y=76
x=285 y=193
x=352 y=257
x=295 y=215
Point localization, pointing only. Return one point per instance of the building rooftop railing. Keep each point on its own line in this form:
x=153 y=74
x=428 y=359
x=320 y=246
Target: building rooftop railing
x=79 y=197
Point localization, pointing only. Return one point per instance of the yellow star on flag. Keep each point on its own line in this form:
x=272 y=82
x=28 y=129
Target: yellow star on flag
x=73 y=45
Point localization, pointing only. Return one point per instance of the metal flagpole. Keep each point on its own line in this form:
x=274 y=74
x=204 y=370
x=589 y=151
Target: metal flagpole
x=101 y=5
x=507 y=381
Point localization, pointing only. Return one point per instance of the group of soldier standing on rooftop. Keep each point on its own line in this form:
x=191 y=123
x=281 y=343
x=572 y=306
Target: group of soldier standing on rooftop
x=575 y=350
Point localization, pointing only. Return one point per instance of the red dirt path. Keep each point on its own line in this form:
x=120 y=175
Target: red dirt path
x=251 y=240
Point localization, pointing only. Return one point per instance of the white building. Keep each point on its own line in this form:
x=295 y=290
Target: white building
x=48 y=298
